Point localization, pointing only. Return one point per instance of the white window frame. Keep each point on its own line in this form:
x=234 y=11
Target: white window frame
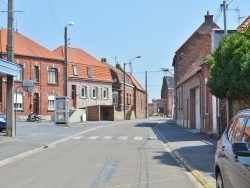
x=83 y=91
x=19 y=104
x=51 y=101
x=19 y=73
x=52 y=76
x=94 y=92
x=115 y=97
x=75 y=70
x=105 y=93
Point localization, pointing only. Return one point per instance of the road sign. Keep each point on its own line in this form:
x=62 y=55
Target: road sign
x=28 y=85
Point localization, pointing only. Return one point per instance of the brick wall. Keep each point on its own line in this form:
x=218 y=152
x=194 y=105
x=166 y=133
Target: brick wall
x=42 y=87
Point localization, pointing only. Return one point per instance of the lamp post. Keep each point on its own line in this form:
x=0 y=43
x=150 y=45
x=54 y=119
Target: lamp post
x=66 y=59
x=124 y=80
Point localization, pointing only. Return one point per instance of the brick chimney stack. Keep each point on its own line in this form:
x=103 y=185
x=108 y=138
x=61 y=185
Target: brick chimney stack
x=208 y=18
x=104 y=60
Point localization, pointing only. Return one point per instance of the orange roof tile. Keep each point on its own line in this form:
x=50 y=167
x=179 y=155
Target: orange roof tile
x=26 y=47
x=82 y=60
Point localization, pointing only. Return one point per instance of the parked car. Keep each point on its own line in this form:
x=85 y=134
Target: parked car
x=232 y=157
x=2 y=122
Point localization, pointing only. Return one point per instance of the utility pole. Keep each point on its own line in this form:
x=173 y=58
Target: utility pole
x=146 y=93
x=225 y=19
x=10 y=126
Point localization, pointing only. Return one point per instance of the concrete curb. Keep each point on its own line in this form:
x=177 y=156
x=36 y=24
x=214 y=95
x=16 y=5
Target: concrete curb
x=193 y=171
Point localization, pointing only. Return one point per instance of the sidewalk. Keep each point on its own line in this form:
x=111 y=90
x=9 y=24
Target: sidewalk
x=194 y=150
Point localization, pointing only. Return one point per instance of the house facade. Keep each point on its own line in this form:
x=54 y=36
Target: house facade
x=190 y=78
x=34 y=63
x=135 y=95
x=89 y=84
x=167 y=92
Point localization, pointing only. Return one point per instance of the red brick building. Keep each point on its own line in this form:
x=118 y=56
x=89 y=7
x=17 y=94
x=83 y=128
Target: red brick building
x=190 y=78
x=35 y=63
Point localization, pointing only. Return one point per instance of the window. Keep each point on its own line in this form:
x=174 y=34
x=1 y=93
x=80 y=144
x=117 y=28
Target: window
x=18 y=101
x=127 y=100
x=52 y=76
x=238 y=130
x=206 y=96
x=51 y=102
x=19 y=73
x=89 y=72
x=160 y=110
x=115 y=98
x=36 y=73
x=83 y=91
x=246 y=135
x=75 y=70
x=104 y=93
x=94 y=92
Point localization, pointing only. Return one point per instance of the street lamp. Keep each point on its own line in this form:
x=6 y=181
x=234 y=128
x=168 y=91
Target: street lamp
x=124 y=93
x=66 y=59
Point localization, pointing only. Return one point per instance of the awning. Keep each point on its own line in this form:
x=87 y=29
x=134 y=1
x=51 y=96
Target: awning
x=8 y=68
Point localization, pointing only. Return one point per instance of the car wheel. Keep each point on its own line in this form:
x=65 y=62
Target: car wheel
x=219 y=182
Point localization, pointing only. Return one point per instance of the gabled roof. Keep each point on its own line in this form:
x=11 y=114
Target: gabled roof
x=83 y=60
x=137 y=85
x=169 y=81
x=26 y=47
x=244 y=24
x=190 y=73
x=204 y=29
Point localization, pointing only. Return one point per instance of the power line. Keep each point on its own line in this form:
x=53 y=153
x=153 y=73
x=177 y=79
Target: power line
x=54 y=16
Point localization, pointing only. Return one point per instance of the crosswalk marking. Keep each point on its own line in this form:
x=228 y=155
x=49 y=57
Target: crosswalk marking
x=77 y=138
x=110 y=137
x=93 y=137
x=123 y=137
x=138 y=138
x=107 y=137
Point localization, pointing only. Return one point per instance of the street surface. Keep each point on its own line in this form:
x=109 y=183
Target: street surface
x=123 y=154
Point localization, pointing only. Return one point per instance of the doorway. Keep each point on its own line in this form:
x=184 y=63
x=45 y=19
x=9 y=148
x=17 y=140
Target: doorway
x=36 y=103
x=73 y=96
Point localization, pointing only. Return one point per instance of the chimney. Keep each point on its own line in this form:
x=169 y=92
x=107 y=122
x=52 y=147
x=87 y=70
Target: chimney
x=208 y=18
x=104 y=60
x=118 y=66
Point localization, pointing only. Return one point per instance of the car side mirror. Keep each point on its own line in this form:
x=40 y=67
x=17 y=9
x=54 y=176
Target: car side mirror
x=240 y=149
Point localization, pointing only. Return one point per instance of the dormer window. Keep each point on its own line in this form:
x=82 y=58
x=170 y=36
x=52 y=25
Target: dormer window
x=89 y=72
x=75 y=70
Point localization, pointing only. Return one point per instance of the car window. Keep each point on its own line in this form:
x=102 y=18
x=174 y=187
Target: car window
x=230 y=130
x=246 y=134
x=238 y=130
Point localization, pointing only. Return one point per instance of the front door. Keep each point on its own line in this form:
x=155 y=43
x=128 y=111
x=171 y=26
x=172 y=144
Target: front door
x=197 y=108
x=73 y=96
x=36 y=103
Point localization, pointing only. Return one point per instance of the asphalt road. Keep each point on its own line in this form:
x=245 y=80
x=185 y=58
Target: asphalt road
x=114 y=155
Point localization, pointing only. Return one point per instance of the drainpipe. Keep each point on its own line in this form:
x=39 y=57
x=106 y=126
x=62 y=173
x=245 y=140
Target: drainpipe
x=201 y=123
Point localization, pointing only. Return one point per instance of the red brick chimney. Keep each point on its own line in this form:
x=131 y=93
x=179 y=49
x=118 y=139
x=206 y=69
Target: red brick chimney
x=208 y=18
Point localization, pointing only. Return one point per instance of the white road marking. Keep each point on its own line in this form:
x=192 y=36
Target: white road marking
x=138 y=138
x=123 y=137
x=93 y=137
x=77 y=138
x=107 y=137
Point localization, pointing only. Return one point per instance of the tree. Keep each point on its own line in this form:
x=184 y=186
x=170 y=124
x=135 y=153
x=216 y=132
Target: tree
x=229 y=67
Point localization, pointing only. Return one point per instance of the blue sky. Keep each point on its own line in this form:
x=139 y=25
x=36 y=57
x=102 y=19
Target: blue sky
x=153 y=29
